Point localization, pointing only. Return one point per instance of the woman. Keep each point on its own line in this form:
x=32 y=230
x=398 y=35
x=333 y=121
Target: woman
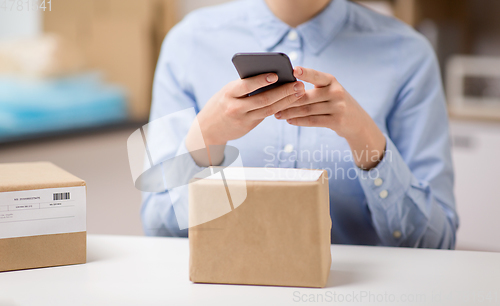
x=369 y=99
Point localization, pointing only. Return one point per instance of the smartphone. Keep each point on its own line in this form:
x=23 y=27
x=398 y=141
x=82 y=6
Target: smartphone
x=252 y=64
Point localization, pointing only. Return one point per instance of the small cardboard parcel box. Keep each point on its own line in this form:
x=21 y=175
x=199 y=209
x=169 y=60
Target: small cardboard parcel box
x=260 y=226
x=42 y=217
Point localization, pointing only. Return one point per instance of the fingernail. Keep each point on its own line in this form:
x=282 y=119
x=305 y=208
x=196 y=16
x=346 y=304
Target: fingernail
x=271 y=78
x=278 y=115
x=296 y=87
x=299 y=94
x=299 y=71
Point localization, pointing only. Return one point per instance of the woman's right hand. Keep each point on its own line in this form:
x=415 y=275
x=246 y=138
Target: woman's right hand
x=231 y=113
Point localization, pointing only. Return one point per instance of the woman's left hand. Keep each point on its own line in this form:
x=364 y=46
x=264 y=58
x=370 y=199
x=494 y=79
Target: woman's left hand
x=329 y=105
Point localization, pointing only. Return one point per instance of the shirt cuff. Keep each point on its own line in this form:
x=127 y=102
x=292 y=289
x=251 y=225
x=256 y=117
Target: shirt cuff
x=387 y=183
x=184 y=167
x=188 y=160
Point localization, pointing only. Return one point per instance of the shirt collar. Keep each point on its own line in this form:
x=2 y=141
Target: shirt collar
x=317 y=32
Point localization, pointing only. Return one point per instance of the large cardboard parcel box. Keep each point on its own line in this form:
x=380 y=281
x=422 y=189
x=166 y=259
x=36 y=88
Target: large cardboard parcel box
x=42 y=217
x=261 y=226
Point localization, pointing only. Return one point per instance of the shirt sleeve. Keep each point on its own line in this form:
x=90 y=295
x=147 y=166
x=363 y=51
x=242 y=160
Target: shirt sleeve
x=410 y=192
x=162 y=212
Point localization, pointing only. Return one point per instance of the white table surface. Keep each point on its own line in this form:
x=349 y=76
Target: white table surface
x=123 y=270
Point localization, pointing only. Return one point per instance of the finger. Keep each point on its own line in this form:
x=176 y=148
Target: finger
x=313 y=96
x=273 y=108
x=243 y=87
x=334 y=92
x=317 y=78
x=312 y=121
x=274 y=95
x=321 y=108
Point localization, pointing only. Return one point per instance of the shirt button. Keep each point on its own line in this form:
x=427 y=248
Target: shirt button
x=288 y=148
x=383 y=194
x=293 y=55
x=396 y=234
x=378 y=182
x=292 y=35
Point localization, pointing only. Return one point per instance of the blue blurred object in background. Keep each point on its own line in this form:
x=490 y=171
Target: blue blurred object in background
x=31 y=108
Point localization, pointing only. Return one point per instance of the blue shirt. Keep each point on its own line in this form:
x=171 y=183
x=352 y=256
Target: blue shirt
x=391 y=70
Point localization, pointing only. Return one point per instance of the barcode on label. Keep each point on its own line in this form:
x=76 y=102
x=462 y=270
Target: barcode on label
x=61 y=196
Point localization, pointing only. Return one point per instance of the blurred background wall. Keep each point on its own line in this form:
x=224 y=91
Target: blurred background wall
x=464 y=33
x=22 y=24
